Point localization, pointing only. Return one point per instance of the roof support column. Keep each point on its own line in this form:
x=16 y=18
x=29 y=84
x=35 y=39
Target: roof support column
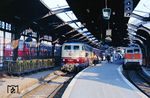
x=15 y=42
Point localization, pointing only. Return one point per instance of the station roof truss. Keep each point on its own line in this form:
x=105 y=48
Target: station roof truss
x=34 y=14
x=90 y=14
x=140 y=20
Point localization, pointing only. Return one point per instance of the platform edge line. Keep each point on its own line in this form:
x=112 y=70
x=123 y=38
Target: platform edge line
x=68 y=90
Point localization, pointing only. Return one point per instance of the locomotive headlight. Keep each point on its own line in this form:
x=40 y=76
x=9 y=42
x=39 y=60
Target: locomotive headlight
x=63 y=60
x=77 y=60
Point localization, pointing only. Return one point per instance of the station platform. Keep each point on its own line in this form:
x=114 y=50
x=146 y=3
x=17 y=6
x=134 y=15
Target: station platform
x=104 y=80
x=25 y=83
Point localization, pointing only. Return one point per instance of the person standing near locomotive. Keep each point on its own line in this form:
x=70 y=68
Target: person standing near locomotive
x=111 y=58
x=108 y=58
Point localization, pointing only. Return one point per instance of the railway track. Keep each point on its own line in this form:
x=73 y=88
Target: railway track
x=49 y=86
x=141 y=81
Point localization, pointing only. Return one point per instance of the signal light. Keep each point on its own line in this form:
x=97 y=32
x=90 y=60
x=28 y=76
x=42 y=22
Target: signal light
x=128 y=7
x=128 y=3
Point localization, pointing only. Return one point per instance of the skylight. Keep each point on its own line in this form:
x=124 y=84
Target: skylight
x=54 y=5
x=85 y=29
x=80 y=30
x=147 y=25
x=58 y=8
x=64 y=17
x=73 y=25
x=141 y=9
x=88 y=33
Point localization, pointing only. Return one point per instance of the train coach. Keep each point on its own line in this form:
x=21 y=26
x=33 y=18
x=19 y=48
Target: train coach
x=132 y=58
x=77 y=55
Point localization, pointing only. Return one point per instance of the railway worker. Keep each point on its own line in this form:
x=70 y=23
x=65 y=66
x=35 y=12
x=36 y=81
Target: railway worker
x=108 y=58
x=103 y=58
x=111 y=58
x=95 y=61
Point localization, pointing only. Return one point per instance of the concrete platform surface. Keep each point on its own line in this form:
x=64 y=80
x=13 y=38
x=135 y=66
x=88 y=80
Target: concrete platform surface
x=23 y=83
x=102 y=81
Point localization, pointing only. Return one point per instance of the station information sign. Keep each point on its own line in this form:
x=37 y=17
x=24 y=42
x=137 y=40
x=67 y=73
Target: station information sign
x=46 y=37
x=108 y=32
x=106 y=13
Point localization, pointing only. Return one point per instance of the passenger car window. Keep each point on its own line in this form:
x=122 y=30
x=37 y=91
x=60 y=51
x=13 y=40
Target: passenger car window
x=67 y=47
x=76 y=47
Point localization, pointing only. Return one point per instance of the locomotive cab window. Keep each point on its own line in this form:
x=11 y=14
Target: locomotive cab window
x=136 y=50
x=83 y=48
x=76 y=47
x=67 y=47
x=129 y=51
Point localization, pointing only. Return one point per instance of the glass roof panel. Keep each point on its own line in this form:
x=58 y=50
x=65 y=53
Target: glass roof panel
x=80 y=30
x=65 y=16
x=141 y=9
x=71 y=15
x=55 y=4
x=85 y=29
x=86 y=33
x=79 y=24
x=74 y=25
x=147 y=25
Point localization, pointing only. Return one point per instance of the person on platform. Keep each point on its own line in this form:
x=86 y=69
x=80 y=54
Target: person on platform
x=108 y=58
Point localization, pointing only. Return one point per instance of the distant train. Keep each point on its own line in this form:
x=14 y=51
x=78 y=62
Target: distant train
x=26 y=51
x=132 y=58
x=77 y=55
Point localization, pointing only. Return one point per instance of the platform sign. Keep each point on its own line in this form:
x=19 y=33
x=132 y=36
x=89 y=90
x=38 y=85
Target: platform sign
x=34 y=34
x=46 y=37
x=108 y=39
x=106 y=13
x=108 y=32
